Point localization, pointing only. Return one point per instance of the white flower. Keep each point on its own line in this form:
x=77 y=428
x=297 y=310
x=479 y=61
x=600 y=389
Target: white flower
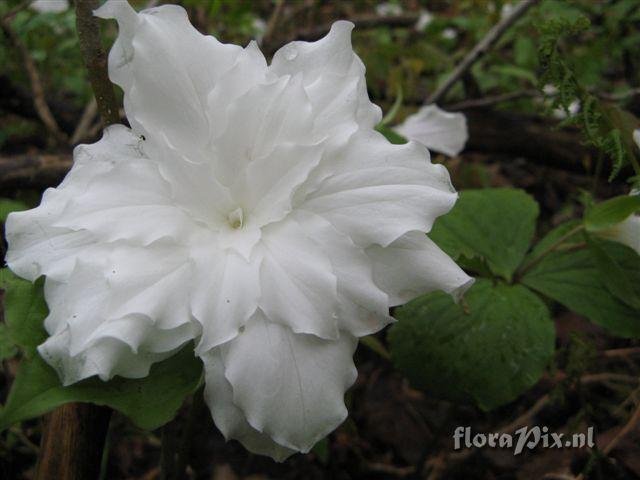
x=251 y=207
x=561 y=113
x=259 y=27
x=50 y=6
x=424 y=20
x=449 y=34
x=438 y=130
x=387 y=9
x=626 y=232
x=506 y=10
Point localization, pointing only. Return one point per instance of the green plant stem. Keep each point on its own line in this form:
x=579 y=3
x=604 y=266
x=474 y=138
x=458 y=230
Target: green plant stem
x=375 y=346
x=169 y=450
x=95 y=59
x=551 y=248
x=184 y=451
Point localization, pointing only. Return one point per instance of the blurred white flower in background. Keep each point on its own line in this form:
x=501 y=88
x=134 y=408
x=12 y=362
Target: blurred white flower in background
x=506 y=10
x=424 y=20
x=388 y=9
x=259 y=27
x=252 y=208
x=449 y=33
x=50 y=6
x=441 y=131
x=561 y=114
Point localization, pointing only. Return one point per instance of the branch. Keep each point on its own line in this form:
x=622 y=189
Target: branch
x=39 y=102
x=484 y=102
x=72 y=442
x=273 y=22
x=84 y=125
x=95 y=59
x=481 y=49
x=361 y=22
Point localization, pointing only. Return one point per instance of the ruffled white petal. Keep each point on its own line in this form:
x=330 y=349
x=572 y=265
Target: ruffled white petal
x=438 y=130
x=299 y=287
x=89 y=338
x=225 y=293
x=333 y=76
x=375 y=192
x=363 y=308
x=289 y=386
x=414 y=265
x=167 y=70
x=37 y=245
x=229 y=419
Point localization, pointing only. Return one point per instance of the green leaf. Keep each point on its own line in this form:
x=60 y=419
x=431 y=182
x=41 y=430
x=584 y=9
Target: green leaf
x=572 y=278
x=150 y=402
x=7 y=206
x=495 y=225
x=491 y=354
x=8 y=348
x=24 y=309
x=614 y=277
x=608 y=214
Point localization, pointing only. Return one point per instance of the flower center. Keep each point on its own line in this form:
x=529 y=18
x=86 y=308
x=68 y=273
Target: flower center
x=236 y=218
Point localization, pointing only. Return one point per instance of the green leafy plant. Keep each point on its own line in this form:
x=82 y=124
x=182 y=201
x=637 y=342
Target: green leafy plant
x=496 y=343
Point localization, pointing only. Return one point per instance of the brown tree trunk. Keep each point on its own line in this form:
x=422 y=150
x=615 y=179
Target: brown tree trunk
x=73 y=439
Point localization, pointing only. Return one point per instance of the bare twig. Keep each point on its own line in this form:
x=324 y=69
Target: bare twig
x=72 y=440
x=361 y=22
x=17 y=9
x=84 y=125
x=95 y=59
x=493 y=100
x=621 y=352
x=480 y=49
x=39 y=102
x=629 y=426
x=273 y=22
x=616 y=97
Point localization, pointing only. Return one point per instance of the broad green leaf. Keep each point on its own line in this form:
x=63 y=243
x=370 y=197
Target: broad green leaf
x=571 y=277
x=495 y=225
x=608 y=214
x=554 y=236
x=24 y=310
x=7 y=347
x=614 y=277
x=491 y=354
x=7 y=206
x=150 y=402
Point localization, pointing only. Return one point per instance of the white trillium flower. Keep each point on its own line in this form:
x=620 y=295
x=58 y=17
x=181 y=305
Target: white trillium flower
x=444 y=132
x=626 y=232
x=252 y=208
